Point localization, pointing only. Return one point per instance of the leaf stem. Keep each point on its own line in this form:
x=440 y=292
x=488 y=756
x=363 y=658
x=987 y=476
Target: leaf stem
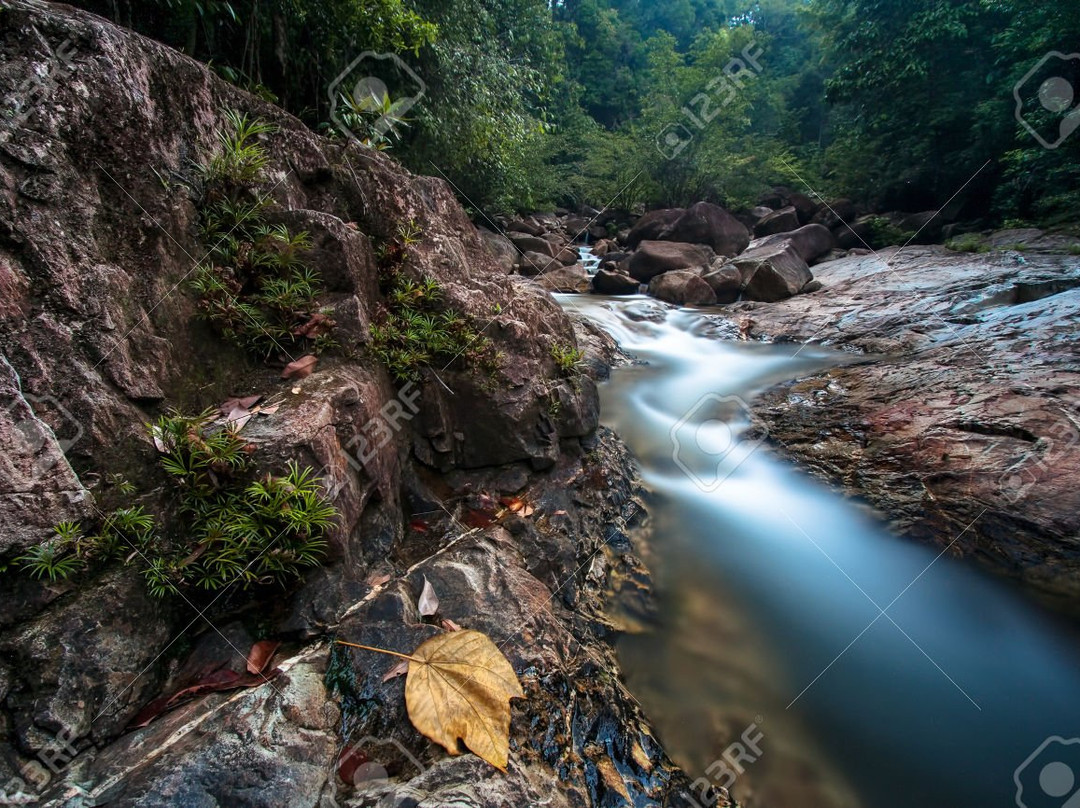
x=380 y=651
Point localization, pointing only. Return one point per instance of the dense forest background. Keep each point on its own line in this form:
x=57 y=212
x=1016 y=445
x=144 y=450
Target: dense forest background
x=527 y=104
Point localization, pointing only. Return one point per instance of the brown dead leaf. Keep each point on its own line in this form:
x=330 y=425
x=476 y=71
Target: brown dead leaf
x=260 y=655
x=316 y=325
x=300 y=368
x=459 y=686
x=400 y=669
x=378 y=580
x=428 y=604
x=237 y=418
x=450 y=625
x=213 y=682
x=518 y=505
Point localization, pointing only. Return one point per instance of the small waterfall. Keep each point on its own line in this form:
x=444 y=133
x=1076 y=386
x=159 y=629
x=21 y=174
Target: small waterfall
x=588 y=259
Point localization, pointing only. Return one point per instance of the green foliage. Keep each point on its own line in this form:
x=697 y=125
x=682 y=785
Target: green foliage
x=968 y=243
x=416 y=330
x=568 y=359
x=229 y=528
x=254 y=285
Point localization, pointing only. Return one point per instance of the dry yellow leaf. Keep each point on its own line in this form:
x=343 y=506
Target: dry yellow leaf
x=459 y=686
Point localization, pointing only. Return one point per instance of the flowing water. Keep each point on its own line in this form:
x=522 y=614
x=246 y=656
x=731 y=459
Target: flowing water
x=771 y=589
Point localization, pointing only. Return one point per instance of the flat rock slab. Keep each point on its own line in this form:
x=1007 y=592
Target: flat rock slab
x=963 y=425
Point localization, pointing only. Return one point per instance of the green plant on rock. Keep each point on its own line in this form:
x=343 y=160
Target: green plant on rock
x=230 y=528
x=416 y=329
x=266 y=531
x=569 y=360
x=254 y=285
x=968 y=243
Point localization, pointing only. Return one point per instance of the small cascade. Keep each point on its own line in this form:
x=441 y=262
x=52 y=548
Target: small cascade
x=588 y=259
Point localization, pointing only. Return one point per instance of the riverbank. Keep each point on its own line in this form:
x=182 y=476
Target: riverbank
x=962 y=425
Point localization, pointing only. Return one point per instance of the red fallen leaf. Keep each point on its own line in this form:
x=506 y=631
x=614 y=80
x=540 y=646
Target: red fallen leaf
x=260 y=655
x=419 y=525
x=378 y=580
x=301 y=368
x=479 y=519
x=450 y=625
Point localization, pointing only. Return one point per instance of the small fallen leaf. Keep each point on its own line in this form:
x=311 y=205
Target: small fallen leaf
x=378 y=580
x=213 y=682
x=159 y=444
x=419 y=525
x=260 y=655
x=450 y=625
x=518 y=505
x=429 y=601
x=296 y=391
x=459 y=686
x=237 y=419
x=300 y=368
x=316 y=325
x=269 y=410
x=400 y=669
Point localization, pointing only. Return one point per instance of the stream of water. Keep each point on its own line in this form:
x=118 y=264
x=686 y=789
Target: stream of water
x=771 y=591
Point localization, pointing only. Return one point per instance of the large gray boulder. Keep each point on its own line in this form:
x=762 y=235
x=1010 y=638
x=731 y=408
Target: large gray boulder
x=501 y=248
x=682 y=288
x=535 y=244
x=652 y=226
x=705 y=223
x=565 y=279
x=780 y=221
x=811 y=241
x=654 y=258
x=772 y=273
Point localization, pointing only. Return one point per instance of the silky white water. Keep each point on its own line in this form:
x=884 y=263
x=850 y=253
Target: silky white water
x=881 y=672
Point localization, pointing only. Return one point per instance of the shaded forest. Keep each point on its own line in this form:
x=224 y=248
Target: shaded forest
x=527 y=104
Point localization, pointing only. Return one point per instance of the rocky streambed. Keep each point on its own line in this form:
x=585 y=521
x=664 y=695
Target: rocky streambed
x=492 y=483
x=962 y=424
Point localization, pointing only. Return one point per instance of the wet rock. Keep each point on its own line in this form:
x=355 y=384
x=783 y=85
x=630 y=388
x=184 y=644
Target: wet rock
x=565 y=279
x=726 y=283
x=682 y=288
x=651 y=226
x=711 y=225
x=964 y=433
x=653 y=258
x=779 y=221
x=606 y=282
x=772 y=273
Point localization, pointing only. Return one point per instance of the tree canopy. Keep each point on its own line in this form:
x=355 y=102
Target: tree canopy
x=522 y=104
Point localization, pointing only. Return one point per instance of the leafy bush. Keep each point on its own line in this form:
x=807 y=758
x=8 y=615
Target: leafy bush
x=969 y=243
